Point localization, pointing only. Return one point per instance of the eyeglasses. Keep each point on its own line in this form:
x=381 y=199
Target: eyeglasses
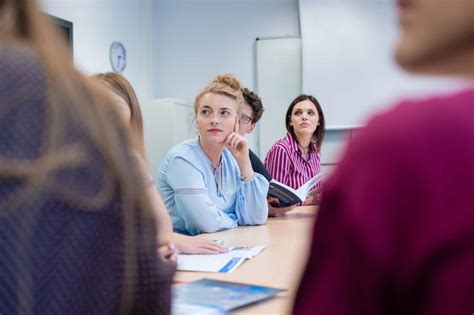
x=245 y=119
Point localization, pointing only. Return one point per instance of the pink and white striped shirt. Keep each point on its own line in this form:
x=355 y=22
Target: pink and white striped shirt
x=284 y=161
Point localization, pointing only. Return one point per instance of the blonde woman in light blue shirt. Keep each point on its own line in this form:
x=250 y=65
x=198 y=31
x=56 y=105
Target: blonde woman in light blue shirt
x=208 y=183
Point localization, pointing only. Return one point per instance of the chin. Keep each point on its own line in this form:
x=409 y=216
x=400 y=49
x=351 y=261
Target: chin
x=415 y=58
x=213 y=140
x=434 y=56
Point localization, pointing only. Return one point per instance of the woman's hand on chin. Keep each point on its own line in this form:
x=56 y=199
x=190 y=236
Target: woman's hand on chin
x=237 y=145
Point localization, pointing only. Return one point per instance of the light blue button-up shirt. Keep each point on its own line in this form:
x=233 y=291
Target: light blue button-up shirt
x=200 y=202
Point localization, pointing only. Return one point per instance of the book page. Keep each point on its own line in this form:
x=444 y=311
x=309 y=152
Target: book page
x=225 y=262
x=304 y=190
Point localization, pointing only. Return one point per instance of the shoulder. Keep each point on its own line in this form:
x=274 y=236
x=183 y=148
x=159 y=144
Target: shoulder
x=414 y=138
x=430 y=122
x=17 y=57
x=285 y=146
x=22 y=76
x=23 y=95
x=185 y=153
x=185 y=149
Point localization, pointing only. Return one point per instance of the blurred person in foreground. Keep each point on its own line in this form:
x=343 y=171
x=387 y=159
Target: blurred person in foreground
x=395 y=232
x=77 y=235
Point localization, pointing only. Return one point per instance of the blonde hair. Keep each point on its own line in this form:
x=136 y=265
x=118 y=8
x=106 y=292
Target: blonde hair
x=72 y=98
x=227 y=85
x=123 y=88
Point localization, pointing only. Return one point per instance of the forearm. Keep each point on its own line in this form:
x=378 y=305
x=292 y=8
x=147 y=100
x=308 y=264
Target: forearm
x=251 y=204
x=201 y=215
x=164 y=225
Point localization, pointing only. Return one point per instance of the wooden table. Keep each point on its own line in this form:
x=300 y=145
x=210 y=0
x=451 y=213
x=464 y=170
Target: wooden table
x=280 y=264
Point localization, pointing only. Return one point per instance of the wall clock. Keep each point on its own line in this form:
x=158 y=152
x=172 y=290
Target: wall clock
x=118 y=56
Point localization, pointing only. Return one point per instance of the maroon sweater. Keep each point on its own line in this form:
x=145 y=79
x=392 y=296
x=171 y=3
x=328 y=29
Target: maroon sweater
x=395 y=232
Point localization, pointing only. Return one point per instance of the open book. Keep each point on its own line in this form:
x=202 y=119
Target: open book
x=208 y=296
x=288 y=196
x=225 y=262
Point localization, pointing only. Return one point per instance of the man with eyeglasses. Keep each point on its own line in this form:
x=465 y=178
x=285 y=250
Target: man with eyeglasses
x=251 y=114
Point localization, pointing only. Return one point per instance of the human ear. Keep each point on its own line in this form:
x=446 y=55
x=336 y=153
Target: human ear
x=252 y=128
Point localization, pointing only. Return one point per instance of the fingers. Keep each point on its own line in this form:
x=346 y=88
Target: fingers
x=236 y=126
x=168 y=253
x=272 y=201
x=207 y=251
x=193 y=245
x=309 y=201
x=212 y=246
x=233 y=140
x=173 y=258
x=277 y=212
x=287 y=209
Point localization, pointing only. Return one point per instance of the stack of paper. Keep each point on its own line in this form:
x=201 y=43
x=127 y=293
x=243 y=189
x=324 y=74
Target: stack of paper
x=226 y=262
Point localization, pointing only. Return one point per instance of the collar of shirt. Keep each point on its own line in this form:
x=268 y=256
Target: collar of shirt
x=296 y=149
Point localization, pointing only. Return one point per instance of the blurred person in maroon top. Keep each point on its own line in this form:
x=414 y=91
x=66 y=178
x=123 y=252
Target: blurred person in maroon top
x=395 y=232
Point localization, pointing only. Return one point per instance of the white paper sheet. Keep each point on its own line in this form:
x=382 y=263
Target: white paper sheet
x=225 y=262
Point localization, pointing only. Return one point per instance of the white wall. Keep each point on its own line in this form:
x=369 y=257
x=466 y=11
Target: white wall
x=278 y=83
x=347 y=59
x=97 y=23
x=193 y=41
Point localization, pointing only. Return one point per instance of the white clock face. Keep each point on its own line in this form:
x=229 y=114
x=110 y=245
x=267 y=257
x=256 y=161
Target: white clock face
x=118 y=56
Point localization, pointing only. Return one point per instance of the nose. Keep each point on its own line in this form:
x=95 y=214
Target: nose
x=214 y=119
x=304 y=116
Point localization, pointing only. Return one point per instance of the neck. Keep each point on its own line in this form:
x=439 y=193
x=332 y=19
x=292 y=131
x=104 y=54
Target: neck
x=304 y=140
x=212 y=151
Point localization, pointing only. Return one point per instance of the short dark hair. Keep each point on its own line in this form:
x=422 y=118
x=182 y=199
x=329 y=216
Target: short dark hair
x=318 y=134
x=255 y=102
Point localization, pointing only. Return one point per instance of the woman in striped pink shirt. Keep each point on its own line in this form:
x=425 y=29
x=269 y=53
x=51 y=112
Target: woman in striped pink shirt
x=296 y=158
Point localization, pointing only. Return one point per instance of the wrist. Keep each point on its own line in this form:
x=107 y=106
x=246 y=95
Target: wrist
x=247 y=178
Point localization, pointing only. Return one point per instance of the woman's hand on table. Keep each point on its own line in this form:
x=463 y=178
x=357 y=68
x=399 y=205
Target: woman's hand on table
x=314 y=198
x=194 y=245
x=273 y=211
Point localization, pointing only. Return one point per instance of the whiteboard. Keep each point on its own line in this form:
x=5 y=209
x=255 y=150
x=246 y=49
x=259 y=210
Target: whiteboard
x=278 y=77
x=347 y=60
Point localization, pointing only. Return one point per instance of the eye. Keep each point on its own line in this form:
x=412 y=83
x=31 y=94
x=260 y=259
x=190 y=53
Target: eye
x=311 y=113
x=204 y=112
x=297 y=113
x=225 y=113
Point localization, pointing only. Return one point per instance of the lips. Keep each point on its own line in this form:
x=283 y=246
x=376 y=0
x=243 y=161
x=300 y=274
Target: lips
x=305 y=125
x=404 y=11
x=214 y=130
x=403 y=4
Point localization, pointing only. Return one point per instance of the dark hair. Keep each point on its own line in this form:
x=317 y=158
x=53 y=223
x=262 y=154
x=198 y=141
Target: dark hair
x=255 y=102
x=318 y=134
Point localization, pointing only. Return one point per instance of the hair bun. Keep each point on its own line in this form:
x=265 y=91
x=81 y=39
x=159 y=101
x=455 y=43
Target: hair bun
x=229 y=80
